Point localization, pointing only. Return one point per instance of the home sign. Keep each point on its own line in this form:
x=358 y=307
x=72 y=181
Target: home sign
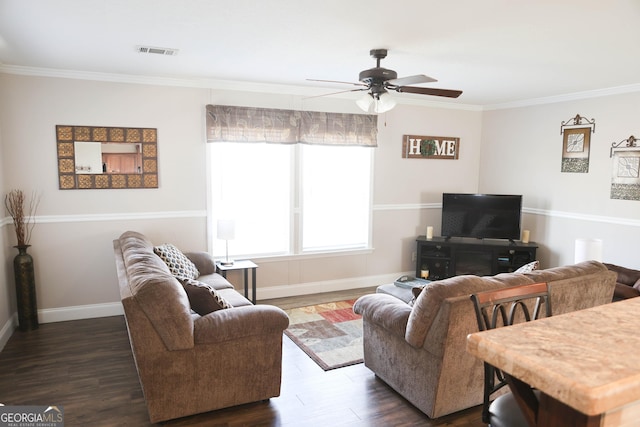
x=430 y=147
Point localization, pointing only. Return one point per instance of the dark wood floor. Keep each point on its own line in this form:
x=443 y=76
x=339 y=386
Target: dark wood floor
x=87 y=367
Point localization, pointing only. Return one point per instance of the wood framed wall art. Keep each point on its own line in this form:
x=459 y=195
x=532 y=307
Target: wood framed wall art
x=430 y=147
x=576 y=143
x=625 y=181
x=575 y=150
x=92 y=157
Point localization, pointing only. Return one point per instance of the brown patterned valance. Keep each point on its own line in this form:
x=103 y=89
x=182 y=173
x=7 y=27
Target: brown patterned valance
x=248 y=124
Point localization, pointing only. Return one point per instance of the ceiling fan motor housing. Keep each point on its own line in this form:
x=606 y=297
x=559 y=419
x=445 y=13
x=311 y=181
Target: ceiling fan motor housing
x=377 y=75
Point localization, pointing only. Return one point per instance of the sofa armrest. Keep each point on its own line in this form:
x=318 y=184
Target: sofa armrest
x=385 y=311
x=203 y=260
x=239 y=322
x=626 y=276
x=623 y=291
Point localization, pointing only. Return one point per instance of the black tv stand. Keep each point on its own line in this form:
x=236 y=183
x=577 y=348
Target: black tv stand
x=445 y=257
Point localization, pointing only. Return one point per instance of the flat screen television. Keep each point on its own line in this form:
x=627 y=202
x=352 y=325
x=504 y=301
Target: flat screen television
x=483 y=216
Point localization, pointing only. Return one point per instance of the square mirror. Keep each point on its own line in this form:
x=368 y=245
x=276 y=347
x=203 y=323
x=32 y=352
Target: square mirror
x=106 y=157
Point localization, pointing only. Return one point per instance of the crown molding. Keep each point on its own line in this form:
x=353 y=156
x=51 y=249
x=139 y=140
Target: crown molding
x=305 y=91
x=229 y=85
x=618 y=90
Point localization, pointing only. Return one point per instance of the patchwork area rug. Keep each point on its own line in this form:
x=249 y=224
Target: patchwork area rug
x=329 y=333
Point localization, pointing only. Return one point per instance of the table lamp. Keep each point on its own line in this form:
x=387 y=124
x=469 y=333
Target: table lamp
x=588 y=249
x=226 y=232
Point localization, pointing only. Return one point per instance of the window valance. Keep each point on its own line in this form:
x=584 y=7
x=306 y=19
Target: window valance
x=248 y=124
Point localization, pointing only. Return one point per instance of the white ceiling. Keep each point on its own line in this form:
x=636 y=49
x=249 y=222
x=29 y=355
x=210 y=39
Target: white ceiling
x=496 y=51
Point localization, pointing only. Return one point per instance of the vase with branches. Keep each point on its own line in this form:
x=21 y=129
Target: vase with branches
x=22 y=212
x=23 y=216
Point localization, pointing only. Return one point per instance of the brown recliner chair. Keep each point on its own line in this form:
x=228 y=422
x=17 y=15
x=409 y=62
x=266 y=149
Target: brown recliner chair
x=627 y=283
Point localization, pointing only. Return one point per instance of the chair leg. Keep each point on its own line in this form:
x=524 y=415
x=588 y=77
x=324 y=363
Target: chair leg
x=488 y=386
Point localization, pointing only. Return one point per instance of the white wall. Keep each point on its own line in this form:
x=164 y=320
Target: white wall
x=7 y=293
x=72 y=241
x=521 y=153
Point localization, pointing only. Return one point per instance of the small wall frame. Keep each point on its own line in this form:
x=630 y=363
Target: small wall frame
x=576 y=144
x=625 y=178
x=72 y=175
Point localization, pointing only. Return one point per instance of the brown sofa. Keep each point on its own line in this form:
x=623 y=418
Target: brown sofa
x=420 y=350
x=627 y=282
x=189 y=363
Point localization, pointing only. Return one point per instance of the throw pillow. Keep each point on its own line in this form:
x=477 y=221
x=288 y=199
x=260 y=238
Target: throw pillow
x=179 y=265
x=203 y=298
x=528 y=268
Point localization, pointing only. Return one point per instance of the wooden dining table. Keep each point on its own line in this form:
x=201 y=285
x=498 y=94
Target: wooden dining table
x=586 y=364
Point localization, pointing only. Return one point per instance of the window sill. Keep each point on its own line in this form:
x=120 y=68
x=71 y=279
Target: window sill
x=306 y=256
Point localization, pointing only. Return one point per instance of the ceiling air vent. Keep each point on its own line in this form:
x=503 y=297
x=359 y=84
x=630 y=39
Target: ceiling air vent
x=157 y=50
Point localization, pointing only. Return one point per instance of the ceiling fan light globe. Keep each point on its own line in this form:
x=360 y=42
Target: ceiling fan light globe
x=365 y=102
x=381 y=103
x=384 y=103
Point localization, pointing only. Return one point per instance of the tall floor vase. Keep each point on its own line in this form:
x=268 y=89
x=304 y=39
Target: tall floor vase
x=25 y=289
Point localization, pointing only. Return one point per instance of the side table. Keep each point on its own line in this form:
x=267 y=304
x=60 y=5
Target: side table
x=244 y=265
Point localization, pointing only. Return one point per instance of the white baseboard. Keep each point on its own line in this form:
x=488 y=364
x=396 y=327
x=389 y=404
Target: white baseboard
x=90 y=311
x=63 y=314
x=7 y=330
x=78 y=312
x=325 y=286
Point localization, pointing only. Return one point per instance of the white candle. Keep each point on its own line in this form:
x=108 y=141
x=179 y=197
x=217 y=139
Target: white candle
x=525 y=236
x=429 y=232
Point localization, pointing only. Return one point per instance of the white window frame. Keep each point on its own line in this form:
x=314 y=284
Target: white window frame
x=296 y=213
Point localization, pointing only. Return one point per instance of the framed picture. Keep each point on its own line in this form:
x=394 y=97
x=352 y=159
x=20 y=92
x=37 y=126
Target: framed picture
x=625 y=180
x=575 y=150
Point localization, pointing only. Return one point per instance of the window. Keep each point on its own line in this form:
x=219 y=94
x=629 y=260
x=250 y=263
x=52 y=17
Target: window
x=291 y=199
x=335 y=197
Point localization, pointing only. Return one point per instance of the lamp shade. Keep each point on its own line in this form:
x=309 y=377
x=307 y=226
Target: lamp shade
x=226 y=229
x=588 y=249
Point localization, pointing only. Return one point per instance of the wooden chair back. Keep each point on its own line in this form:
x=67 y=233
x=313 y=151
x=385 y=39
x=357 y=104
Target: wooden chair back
x=505 y=307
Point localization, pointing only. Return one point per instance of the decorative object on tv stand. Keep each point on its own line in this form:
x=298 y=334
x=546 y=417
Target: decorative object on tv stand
x=576 y=143
x=430 y=147
x=429 y=234
x=587 y=250
x=23 y=220
x=226 y=232
x=525 y=236
x=625 y=177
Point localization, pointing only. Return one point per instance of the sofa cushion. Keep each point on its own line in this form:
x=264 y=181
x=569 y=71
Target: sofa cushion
x=178 y=263
x=216 y=281
x=203 y=298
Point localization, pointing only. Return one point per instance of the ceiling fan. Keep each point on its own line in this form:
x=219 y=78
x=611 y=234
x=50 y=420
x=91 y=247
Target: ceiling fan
x=379 y=81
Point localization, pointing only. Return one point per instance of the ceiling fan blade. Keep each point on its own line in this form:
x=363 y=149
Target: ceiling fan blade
x=336 y=93
x=411 y=80
x=429 y=91
x=335 y=81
